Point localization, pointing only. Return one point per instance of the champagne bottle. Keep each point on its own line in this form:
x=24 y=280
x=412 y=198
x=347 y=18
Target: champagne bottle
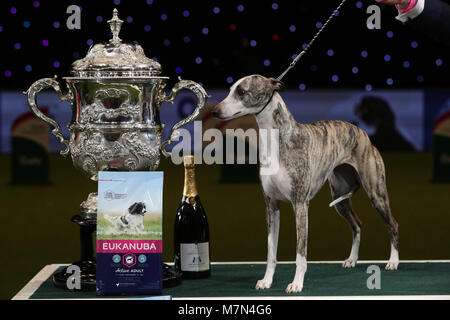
x=191 y=232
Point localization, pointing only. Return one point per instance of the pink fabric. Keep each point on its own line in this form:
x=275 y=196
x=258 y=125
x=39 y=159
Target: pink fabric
x=411 y=5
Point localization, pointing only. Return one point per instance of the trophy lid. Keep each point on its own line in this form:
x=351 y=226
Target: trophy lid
x=115 y=59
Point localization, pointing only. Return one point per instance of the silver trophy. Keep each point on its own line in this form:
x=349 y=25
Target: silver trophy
x=116 y=94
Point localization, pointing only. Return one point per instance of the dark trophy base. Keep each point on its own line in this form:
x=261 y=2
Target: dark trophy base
x=88 y=263
x=87 y=276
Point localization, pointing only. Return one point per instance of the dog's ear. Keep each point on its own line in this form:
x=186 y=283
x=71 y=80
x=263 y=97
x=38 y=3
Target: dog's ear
x=132 y=207
x=276 y=84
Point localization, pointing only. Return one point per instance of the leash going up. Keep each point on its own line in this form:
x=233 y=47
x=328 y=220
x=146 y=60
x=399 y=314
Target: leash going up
x=297 y=58
x=293 y=63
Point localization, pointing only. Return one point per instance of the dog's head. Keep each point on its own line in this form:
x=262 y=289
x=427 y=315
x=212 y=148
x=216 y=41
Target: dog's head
x=129 y=259
x=248 y=95
x=137 y=208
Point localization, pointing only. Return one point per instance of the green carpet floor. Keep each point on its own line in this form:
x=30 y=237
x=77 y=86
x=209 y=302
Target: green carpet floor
x=36 y=227
x=238 y=280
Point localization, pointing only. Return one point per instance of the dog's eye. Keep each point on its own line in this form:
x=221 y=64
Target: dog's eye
x=240 y=91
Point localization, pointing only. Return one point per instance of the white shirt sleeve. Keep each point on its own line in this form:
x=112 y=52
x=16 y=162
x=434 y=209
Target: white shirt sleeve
x=411 y=14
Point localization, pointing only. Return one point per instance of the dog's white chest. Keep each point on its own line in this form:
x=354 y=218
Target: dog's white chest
x=277 y=186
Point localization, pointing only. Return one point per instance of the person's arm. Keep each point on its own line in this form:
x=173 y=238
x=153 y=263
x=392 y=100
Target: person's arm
x=431 y=17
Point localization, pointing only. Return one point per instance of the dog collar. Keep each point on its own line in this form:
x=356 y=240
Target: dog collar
x=273 y=92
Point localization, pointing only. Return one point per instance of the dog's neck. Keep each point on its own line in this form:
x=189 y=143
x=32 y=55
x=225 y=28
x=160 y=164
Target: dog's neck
x=275 y=115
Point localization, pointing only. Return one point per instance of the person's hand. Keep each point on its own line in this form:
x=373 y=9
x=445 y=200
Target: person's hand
x=401 y=5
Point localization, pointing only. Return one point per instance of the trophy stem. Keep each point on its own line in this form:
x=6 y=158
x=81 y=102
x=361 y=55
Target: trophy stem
x=87 y=228
x=87 y=222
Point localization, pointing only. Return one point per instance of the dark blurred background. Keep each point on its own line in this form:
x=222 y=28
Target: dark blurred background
x=211 y=41
x=393 y=82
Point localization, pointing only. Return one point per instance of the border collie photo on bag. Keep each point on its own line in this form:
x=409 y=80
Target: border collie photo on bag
x=129 y=233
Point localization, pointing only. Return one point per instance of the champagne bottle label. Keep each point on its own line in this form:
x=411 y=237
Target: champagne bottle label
x=194 y=256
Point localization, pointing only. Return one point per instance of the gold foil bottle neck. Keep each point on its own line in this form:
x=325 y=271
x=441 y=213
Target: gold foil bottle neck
x=190 y=188
x=189 y=161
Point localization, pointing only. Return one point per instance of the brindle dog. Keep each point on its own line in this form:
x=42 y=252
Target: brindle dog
x=309 y=154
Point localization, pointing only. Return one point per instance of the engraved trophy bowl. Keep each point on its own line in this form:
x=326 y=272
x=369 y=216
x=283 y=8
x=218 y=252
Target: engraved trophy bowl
x=116 y=93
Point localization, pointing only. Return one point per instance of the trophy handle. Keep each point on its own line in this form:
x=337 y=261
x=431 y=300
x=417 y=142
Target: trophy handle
x=31 y=93
x=201 y=95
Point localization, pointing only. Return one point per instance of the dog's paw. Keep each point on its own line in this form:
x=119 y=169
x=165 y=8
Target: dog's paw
x=392 y=265
x=349 y=263
x=294 y=287
x=263 y=284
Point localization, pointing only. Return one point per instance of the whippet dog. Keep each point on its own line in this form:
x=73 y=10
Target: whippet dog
x=309 y=154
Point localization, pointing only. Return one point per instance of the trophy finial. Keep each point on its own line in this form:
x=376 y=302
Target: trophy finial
x=115 y=24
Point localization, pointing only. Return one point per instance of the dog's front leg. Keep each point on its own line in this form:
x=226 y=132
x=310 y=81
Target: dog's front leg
x=273 y=227
x=301 y=221
x=139 y=229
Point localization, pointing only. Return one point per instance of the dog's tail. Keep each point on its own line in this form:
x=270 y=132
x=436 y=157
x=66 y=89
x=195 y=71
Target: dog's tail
x=345 y=196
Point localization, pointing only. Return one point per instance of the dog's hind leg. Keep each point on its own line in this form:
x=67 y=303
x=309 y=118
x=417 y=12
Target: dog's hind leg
x=373 y=180
x=344 y=180
x=344 y=208
x=273 y=227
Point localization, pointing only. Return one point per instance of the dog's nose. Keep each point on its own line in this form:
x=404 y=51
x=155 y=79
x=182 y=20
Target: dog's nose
x=215 y=113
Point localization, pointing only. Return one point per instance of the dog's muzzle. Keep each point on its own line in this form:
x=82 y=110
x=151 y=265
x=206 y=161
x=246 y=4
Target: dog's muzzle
x=217 y=114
